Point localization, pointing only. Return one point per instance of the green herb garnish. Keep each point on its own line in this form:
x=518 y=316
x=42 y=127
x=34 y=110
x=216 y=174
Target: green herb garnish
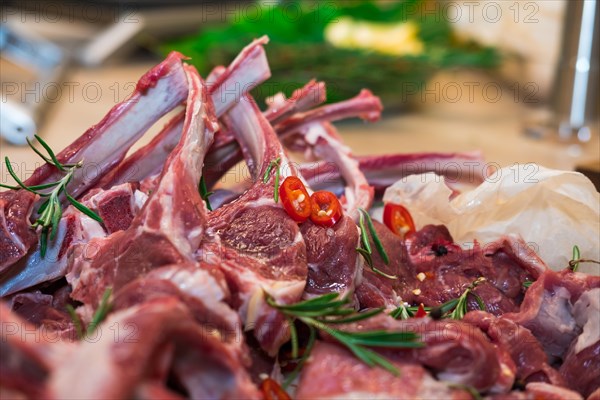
x=321 y=312
x=276 y=186
x=576 y=259
x=312 y=337
x=50 y=211
x=459 y=305
x=99 y=315
x=365 y=250
x=267 y=175
x=574 y=263
x=101 y=312
x=405 y=312
x=204 y=193
x=76 y=321
x=272 y=164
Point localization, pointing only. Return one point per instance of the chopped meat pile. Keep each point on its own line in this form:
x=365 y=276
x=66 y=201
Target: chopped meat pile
x=162 y=290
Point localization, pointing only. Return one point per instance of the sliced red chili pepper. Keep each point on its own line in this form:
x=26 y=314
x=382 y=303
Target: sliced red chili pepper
x=398 y=219
x=326 y=208
x=295 y=199
x=421 y=313
x=272 y=391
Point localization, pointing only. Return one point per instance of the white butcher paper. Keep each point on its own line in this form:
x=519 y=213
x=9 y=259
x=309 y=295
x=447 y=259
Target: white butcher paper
x=551 y=210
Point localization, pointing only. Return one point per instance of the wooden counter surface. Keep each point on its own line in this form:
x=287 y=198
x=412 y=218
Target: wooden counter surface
x=444 y=122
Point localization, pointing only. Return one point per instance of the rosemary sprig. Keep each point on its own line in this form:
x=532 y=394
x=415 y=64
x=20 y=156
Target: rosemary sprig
x=321 y=312
x=101 y=312
x=50 y=211
x=273 y=164
x=405 y=312
x=276 y=186
x=576 y=259
x=459 y=306
x=204 y=193
x=574 y=263
x=76 y=321
x=454 y=308
x=99 y=315
x=267 y=173
x=376 y=240
x=365 y=250
x=312 y=337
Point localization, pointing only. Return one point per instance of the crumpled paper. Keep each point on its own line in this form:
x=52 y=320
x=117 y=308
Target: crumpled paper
x=551 y=210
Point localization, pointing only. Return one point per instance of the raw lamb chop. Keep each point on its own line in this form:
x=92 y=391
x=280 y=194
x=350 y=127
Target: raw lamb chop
x=250 y=68
x=247 y=70
x=171 y=224
x=257 y=245
x=102 y=146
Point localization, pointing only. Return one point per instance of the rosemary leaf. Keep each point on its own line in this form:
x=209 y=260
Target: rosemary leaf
x=204 y=193
x=9 y=187
x=16 y=178
x=55 y=162
x=479 y=301
x=309 y=346
x=363 y=234
x=357 y=317
x=574 y=263
x=376 y=240
x=449 y=305
x=315 y=303
x=39 y=153
x=43 y=242
x=401 y=312
x=276 y=185
x=56 y=216
x=380 y=272
x=366 y=251
x=44 y=186
x=293 y=337
x=41 y=209
x=269 y=168
x=76 y=321
x=84 y=209
x=461 y=305
x=101 y=312
x=366 y=255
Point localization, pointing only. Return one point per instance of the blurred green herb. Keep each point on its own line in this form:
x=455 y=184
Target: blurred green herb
x=204 y=193
x=298 y=50
x=98 y=317
x=576 y=259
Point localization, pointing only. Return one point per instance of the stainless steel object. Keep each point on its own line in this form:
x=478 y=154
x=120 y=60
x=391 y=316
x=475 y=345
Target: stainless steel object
x=575 y=97
x=20 y=120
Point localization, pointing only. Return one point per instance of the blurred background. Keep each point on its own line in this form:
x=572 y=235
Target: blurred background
x=517 y=80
